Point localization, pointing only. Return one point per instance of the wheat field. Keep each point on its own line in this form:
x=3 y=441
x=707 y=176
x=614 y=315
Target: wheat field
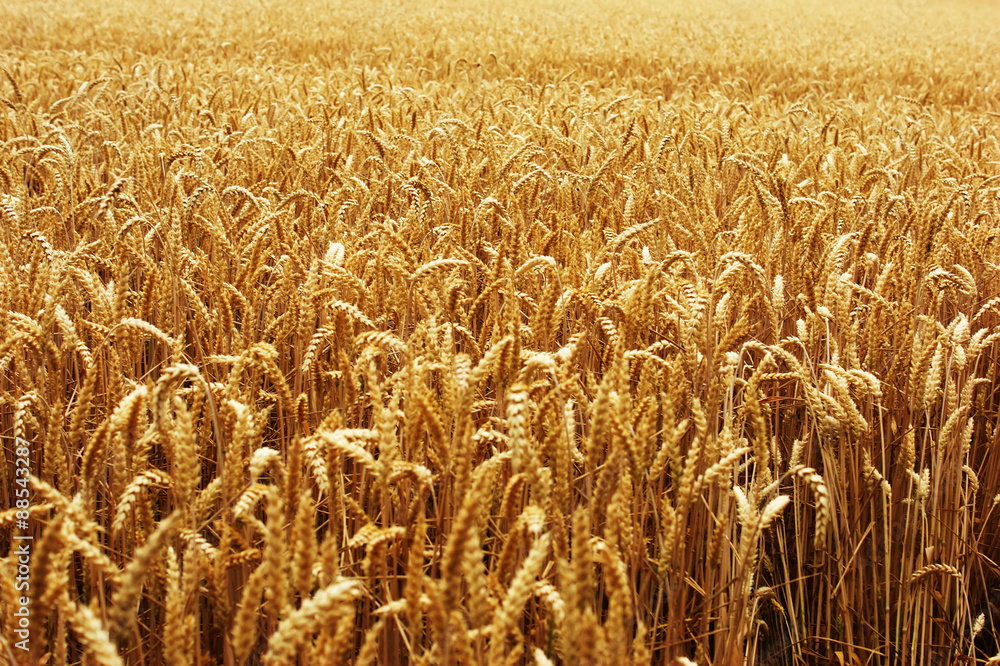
x=499 y=333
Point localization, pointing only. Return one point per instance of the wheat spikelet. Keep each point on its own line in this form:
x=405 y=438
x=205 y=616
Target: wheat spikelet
x=125 y=597
x=187 y=470
x=936 y=568
x=274 y=559
x=368 y=653
x=517 y=594
x=332 y=602
x=243 y=629
x=178 y=628
x=91 y=633
x=48 y=574
x=819 y=491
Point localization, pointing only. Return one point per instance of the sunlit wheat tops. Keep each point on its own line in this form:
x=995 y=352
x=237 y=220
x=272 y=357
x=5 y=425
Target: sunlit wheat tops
x=450 y=333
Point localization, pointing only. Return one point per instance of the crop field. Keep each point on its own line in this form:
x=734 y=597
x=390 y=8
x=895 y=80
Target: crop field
x=522 y=332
